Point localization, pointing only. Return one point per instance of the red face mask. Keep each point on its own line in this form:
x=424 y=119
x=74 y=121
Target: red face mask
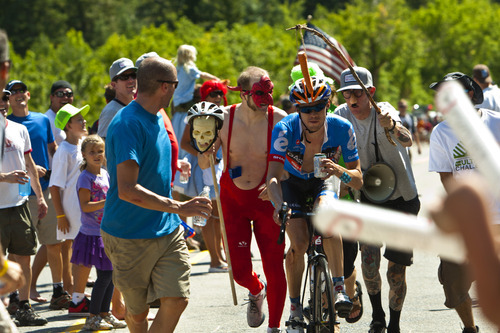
x=262 y=91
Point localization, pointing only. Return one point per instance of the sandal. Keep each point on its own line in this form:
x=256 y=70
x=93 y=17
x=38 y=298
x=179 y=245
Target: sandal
x=357 y=304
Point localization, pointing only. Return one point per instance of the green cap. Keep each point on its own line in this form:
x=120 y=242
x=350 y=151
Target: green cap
x=66 y=112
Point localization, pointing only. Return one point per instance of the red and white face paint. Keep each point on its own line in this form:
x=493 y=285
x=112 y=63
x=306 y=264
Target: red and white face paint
x=262 y=92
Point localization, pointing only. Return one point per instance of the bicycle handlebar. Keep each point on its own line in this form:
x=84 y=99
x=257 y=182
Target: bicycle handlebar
x=283 y=217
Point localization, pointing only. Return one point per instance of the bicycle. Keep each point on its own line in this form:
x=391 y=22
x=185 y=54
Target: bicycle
x=321 y=316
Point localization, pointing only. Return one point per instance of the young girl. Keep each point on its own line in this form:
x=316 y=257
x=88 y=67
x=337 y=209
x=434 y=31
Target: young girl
x=88 y=249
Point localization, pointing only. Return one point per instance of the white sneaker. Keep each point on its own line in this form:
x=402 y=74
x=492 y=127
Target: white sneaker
x=295 y=325
x=113 y=321
x=255 y=316
x=343 y=304
x=96 y=323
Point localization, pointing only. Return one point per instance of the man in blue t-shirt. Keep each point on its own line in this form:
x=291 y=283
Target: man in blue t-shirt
x=140 y=227
x=44 y=146
x=295 y=141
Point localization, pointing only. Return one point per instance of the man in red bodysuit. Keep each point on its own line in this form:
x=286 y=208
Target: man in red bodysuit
x=243 y=195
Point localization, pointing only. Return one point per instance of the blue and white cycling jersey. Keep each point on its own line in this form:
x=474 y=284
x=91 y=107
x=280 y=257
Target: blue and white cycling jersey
x=287 y=147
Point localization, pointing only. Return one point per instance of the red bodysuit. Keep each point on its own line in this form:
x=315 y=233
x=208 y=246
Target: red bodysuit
x=240 y=208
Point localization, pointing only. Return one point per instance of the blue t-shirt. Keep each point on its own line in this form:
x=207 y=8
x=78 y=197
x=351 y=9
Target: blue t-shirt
x=135 y=134
x=38 y=126
x=287 y=145
x=98 y=186
x=185 y=90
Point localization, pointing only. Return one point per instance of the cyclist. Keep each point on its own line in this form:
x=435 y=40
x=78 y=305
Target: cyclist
x=295 y=140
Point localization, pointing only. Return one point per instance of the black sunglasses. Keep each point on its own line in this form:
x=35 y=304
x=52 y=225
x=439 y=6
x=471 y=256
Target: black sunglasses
x=5 y=97
x=63 y=93
x=15 y=91
x=315 y=108
x=175 y=83
x=125 y=77
x=216 y=93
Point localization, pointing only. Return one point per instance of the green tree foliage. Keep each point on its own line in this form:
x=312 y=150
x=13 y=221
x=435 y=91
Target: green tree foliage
x=407 y=44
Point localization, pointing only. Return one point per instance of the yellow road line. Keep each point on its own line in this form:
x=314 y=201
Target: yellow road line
x=196 y=258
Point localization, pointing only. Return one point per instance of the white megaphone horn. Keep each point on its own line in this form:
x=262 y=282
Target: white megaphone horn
x=379 y=182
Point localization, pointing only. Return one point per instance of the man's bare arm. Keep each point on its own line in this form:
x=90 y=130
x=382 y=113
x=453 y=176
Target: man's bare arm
x=129 y=190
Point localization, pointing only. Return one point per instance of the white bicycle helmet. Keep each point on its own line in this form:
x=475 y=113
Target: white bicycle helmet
x=206 y=109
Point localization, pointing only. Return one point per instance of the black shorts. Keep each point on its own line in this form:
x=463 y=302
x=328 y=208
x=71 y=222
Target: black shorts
x=300 y=194
x=411 y=206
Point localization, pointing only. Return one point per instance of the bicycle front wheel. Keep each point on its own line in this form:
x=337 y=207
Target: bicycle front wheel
x=323 y=307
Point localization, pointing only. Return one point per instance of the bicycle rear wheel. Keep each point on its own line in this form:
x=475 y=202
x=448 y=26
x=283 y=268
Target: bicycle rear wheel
x=323 y=310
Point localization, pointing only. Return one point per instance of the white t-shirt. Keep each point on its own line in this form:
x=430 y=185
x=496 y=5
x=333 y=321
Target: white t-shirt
x=491 y=99
x=17 y=143
x=447 y=153
x=59 y=134
x=65 y=173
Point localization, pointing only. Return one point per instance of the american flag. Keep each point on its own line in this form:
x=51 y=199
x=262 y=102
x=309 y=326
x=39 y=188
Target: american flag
x=318 y=51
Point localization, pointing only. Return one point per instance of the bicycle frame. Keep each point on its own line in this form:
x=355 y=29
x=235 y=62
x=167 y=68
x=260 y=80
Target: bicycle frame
x=322 y=315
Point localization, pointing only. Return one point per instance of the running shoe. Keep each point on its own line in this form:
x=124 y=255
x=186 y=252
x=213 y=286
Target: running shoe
x=61 y=302
x=25 y=316
x=96 y=323
x=81 y=309
x=113 y=321
x=255 y=316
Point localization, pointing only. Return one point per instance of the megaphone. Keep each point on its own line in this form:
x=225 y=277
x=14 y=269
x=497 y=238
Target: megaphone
x=379 y=182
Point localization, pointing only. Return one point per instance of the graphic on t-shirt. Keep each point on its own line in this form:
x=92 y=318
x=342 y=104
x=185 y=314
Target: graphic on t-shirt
x=462 y=161
x=459 y=151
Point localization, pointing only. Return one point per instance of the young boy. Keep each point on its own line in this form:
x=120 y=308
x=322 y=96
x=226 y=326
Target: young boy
x=65 y=172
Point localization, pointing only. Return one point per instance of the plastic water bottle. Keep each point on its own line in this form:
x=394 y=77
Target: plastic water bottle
x=25 y=189
x=201 y=221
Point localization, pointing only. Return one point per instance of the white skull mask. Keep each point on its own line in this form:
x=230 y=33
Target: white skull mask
x=203 y=132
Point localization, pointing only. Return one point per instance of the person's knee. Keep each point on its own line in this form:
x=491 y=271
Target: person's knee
x=179 y=303
x=298 y=248
x=54 y=248
x=137 y=318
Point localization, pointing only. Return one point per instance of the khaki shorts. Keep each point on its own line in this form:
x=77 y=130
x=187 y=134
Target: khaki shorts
x=46 y=228
x=17 y=233
x=456 y=281
x=148 y=269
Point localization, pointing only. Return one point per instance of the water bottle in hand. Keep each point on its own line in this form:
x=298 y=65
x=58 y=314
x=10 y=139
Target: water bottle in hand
x=25 y=189
x=201 y=221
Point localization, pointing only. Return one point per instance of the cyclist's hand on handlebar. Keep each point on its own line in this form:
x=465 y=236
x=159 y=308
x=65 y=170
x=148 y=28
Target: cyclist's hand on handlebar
x=263 y=193
x=277 y=217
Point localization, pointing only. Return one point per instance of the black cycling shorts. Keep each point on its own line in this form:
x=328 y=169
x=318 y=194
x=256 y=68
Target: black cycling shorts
x=300 y=194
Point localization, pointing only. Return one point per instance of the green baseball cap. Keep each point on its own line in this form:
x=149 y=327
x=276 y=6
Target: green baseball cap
x=66 y=112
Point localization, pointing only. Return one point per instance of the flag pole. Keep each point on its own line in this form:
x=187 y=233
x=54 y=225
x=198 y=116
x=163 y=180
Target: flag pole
x=348 y=64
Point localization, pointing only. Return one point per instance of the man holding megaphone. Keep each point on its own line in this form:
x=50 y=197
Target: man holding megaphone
x=388 y=182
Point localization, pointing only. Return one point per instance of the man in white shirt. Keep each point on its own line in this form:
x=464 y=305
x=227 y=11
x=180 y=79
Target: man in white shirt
x=491 y=92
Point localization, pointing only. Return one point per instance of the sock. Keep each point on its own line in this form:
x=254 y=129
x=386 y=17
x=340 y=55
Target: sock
x=378 y=313
x=77 y=298
x=57 y=289
x=338 y=284
x=394 y=321
x=21 y=303
x=14 y=297
x=295 y=308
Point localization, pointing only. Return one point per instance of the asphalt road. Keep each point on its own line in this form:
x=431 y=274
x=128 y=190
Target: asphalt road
x=211 y=307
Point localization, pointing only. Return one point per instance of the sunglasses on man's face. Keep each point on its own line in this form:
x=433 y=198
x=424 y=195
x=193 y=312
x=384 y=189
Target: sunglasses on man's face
x=315 y=108
x=216 y=93
x=5 y=97
x=125 y=77
x=61 y=94
x=15 y=91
